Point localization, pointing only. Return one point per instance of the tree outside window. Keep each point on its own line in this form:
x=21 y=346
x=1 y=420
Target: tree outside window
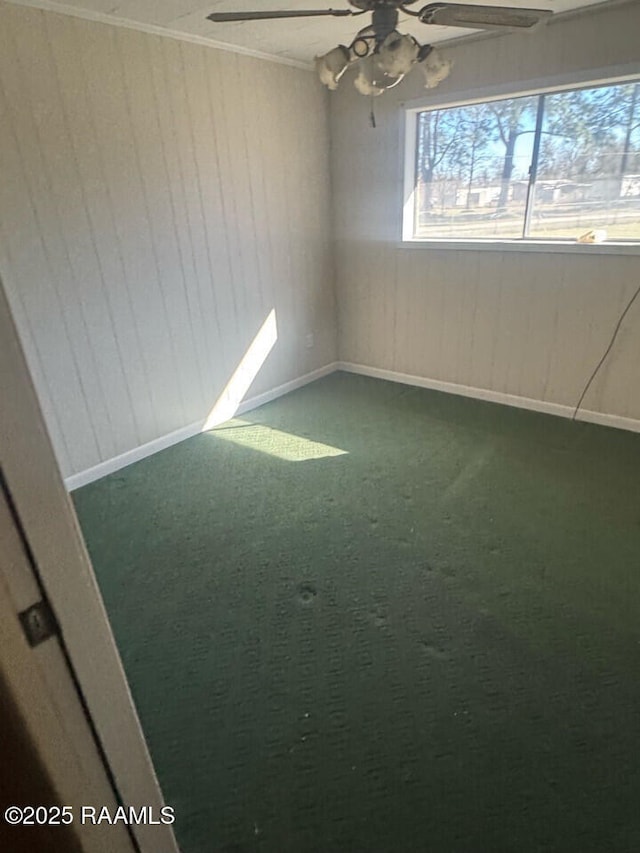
x=541 y=167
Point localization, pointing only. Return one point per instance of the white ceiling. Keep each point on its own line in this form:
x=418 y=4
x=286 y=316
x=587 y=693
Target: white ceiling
x=296 y=39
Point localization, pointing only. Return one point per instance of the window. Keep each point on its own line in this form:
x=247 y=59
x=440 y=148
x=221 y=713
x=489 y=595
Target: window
x=549 y=166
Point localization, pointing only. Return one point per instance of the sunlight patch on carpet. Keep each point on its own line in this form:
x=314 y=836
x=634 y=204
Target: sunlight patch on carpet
x=274 y=442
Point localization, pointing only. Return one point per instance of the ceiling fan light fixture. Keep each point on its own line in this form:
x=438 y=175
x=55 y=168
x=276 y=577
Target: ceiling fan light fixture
x=371 y=80
x=436 y=69
x=365 y=86
x=332 y=66
x=397 y=54
x=359 y=48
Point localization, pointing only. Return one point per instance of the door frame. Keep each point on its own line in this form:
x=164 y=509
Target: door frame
x=49 y=524
x=58 y=762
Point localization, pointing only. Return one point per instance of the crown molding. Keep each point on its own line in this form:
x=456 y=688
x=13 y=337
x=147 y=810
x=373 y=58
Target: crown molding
x=154 y=29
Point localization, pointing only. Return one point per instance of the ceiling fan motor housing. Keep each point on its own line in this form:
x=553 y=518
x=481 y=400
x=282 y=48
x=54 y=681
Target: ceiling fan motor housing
x=384 y=21
x=370 y=5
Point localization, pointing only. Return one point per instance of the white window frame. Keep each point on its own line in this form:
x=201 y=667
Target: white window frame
x=610 y=76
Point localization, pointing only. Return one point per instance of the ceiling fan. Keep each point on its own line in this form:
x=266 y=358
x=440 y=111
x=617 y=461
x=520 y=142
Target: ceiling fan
x=383 y=54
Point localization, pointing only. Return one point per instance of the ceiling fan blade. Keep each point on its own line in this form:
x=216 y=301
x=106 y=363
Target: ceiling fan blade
x=481 y=17
x=220 y=17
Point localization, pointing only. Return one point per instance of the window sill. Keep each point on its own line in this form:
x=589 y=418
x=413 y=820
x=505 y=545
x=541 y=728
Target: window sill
x=569 y=247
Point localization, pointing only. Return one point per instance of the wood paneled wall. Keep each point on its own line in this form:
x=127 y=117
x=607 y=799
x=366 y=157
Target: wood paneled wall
x=527 y=324
x=158 y=200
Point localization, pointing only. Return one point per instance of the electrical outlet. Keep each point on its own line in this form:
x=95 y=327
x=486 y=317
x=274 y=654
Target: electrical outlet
x=309 y=340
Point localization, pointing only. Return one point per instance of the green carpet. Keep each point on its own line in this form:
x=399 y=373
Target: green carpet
x=368 y=618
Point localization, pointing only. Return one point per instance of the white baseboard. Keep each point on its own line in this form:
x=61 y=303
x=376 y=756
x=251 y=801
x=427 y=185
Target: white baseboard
x=274 y=393
x=559 y=409
x=117 y=462
x=109 y=466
